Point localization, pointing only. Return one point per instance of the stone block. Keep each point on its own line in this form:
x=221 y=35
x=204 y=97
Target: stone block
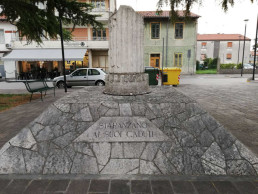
x=117 y=150
x=84 y=164
x=240 y=168
x=34 y=162
x=62 y=107
x=83 y=115
x=147 y=167
x=215 y=156
x=120 y=166
x=150 y=151
x=138 y=109
x=133 y=150
x=223 y=138
x=246 y=153
x=58 y=162
x=122 y=129
x=125 y=109
x=12 y=161
x=164 y=165
x=83 y=148
x=45 y=134
x=102 y=152
x=24 y=139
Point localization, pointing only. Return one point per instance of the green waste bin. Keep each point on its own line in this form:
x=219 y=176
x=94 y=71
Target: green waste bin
x=153 y=75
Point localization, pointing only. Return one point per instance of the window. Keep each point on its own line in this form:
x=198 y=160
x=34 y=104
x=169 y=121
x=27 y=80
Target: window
x=155 y=30
x=179 y=28
x=204 y=44
x=99 y=5
x=81 y=72
x=229 y=44
x=99 y=34
x=229 y=56
x=2 y=39
x=203 y=57
x=178 y=59
x=93 y=72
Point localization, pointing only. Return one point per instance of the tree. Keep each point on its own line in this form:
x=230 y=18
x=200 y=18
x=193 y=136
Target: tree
x=187 y=4
x=36 y=19
x=256 y=46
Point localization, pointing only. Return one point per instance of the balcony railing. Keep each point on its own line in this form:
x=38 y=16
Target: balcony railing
x=74 y=39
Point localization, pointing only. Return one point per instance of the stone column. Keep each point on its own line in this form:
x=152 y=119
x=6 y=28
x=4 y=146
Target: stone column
x=126 y=66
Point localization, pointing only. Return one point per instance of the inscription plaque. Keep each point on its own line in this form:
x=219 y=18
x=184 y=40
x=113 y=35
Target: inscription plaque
x=122 y=129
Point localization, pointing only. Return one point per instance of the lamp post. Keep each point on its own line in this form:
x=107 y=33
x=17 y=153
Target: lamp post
x=246 y=20
x=255 y=47
x=62 y=47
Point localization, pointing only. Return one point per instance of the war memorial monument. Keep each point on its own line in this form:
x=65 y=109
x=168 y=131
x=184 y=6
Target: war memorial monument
x=126 y=127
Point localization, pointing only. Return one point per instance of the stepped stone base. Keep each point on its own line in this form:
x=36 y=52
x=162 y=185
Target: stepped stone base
x=164 y=132
x=125 y=84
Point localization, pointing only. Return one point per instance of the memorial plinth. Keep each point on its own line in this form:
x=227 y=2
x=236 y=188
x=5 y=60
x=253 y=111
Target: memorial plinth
x=126 y=64
x=163 y=132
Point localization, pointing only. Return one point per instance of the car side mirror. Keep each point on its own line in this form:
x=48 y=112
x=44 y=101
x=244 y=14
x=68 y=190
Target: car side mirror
x=71 y=75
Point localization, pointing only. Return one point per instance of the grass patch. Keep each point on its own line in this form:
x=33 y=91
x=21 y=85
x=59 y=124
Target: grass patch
x=207 y=71
x=8 y=101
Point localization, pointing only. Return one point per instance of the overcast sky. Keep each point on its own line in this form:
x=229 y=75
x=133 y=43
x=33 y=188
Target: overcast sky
x=213 y=19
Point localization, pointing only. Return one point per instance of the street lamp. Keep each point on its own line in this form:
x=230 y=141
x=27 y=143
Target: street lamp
x=62 y=47
x=255 y=47
x=246 y=20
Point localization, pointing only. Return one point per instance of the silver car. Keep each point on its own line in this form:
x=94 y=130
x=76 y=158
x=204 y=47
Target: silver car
x=82 y=77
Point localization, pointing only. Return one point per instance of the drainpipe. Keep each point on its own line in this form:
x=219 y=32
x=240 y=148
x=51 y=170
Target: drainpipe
x=162 y=61
x=167 y=44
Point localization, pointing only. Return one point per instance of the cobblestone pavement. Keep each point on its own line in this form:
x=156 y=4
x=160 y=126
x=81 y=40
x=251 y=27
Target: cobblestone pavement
x=128 y=186
x=230 y=99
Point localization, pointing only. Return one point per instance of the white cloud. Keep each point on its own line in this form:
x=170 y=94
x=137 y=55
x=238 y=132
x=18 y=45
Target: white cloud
x=213 y=19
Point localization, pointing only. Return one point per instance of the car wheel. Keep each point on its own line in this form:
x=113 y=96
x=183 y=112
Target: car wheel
x=60 y=84
x=100 y=83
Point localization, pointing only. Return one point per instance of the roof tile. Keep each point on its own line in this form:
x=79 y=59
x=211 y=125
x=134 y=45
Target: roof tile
x=164 y=14
x=209 y=37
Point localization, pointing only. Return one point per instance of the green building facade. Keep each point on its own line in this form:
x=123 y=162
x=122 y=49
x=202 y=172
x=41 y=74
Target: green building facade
x=179 y=41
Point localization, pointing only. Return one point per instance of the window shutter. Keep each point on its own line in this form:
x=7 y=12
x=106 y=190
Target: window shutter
x=229 y=44
x=229 y=56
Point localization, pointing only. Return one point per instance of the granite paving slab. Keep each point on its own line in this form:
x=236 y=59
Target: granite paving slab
x=144 y=184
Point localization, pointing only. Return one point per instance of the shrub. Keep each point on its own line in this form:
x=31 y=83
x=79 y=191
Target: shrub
x=228 y=66
x=210 y=63
x=197 y=65
x=239 y=66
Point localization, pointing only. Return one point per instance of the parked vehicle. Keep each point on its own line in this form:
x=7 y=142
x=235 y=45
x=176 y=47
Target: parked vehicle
x=248 y=66
x=0 y=75
x=82 y=77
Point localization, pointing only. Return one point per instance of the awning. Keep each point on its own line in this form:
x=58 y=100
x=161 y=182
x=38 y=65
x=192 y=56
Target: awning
x=45 y=55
